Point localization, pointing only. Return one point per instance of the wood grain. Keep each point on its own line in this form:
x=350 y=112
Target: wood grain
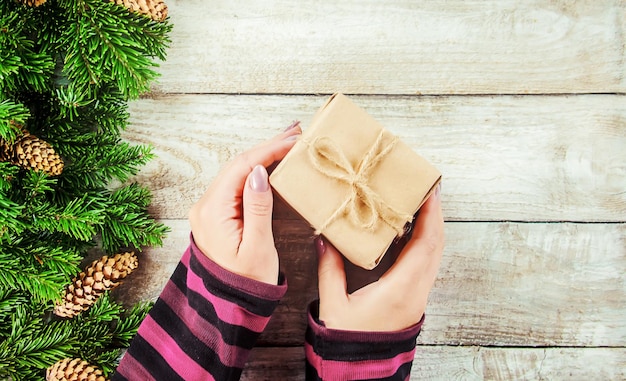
x=542 y=298
x=396 y=47
x=468 y=364
x=502 y=284
x=530 y=158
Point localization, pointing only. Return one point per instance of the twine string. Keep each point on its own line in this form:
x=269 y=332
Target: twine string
x=363 y=206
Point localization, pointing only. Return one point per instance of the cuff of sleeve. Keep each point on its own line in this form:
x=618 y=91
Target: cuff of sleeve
x=250 y=286
x=320 y=331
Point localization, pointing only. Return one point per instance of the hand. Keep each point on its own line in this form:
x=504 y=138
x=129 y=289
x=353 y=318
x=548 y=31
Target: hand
x=232 y=222
x=398 y=299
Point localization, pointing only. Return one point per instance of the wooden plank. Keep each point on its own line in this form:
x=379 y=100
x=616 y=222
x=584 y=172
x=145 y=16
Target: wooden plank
x=500 y=284
x=399 y=47
x=534 y=158
x=468 y=363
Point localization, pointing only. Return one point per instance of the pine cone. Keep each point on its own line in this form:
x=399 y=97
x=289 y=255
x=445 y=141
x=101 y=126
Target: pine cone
x=28 y=151
x=5 y=150
x=73 y=369
x=103 y=274
x=32 y=3
x=156 y=9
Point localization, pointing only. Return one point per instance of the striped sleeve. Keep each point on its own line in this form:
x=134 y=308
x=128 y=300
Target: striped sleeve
x=350 y=355
x=202 y=326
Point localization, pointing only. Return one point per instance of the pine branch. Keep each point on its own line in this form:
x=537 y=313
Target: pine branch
x=127 y=221
x=9 y=217
x=21 y=65
x=38 y=184
x=11 y=115
x=127 y=328
x=78 y=219
x=106 y=159
x=105 y=46
x=8 y=172
x=41 y=285
x=9 y=301
x=32 y=344
x=37 y=264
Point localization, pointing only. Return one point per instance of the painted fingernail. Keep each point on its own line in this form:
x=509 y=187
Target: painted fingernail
x=320 y=246
x=295 y=124
x=258 y=180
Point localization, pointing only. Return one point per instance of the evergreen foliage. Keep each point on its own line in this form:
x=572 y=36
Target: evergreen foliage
x=67 y=70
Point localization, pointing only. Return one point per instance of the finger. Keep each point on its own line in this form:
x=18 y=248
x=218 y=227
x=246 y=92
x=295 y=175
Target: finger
x=232 y=178
x=257 y=208
x=292 y=130
x=331 y=275
x=424 y=249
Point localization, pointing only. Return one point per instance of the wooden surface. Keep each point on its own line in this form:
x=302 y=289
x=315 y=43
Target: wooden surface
x=397 y=47
x=521 y=105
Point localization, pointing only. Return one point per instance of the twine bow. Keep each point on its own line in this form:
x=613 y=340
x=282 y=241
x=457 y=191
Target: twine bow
x=363 y=206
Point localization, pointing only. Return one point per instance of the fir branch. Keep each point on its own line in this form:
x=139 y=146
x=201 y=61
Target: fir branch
x=21 y=65
x=104 y=310
x=107 y=361
x=9 y=301
x=11 y=116
x=8 y=172
x=30 y=263
x=127 y=328
x=33 y=345
x=78 y=219
x=41 y=285
x=10 y=213
x=127 y=221
x=123 y=161
x=69 y=102
x=104 y=46
x=38 y=184
x=120 y=326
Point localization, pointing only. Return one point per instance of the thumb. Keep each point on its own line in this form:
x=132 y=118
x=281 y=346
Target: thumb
x=331 y=276
x=257 y=207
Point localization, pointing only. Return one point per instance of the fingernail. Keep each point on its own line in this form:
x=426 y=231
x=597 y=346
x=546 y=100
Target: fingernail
x=320 y=246
x=438 y=191
x=258 y=180
x=291 y=138
x=295 y=124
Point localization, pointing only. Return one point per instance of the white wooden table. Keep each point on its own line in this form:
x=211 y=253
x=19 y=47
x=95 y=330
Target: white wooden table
x=520 y=104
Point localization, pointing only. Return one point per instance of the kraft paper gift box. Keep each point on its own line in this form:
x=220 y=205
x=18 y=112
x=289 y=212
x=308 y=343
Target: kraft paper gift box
x=353 y=181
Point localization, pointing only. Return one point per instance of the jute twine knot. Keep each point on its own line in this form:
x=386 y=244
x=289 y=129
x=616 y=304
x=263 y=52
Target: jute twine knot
x=363 y=206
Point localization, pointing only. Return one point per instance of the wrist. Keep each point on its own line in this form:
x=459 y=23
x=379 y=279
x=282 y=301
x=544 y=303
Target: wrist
x=320 y=329
x=237 y=281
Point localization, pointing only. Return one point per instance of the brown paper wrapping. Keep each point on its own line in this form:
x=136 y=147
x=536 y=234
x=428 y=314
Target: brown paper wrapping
x=353 y=181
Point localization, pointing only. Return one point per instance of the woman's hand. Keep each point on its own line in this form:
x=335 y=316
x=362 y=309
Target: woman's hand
x=232 y=222
x=398 y=299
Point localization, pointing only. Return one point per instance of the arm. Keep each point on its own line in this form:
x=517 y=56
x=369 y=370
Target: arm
x=346 y=355
x=203 y=325
x=370 y=333
x=227 y=284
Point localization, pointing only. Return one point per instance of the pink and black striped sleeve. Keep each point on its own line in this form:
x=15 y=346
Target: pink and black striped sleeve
x=203 y=325
x=350 y=355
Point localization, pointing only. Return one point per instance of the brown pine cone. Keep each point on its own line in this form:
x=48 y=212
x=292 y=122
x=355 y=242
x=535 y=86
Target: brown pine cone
x=73 y=370
x=156 y=9
x=28 y=151
x=5 y=150
x=32 y=3
x=103 y=274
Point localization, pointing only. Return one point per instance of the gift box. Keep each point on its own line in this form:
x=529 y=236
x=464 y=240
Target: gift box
x=353 y=181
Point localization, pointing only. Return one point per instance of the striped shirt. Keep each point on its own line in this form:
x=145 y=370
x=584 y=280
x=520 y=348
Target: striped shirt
x=207 y=319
